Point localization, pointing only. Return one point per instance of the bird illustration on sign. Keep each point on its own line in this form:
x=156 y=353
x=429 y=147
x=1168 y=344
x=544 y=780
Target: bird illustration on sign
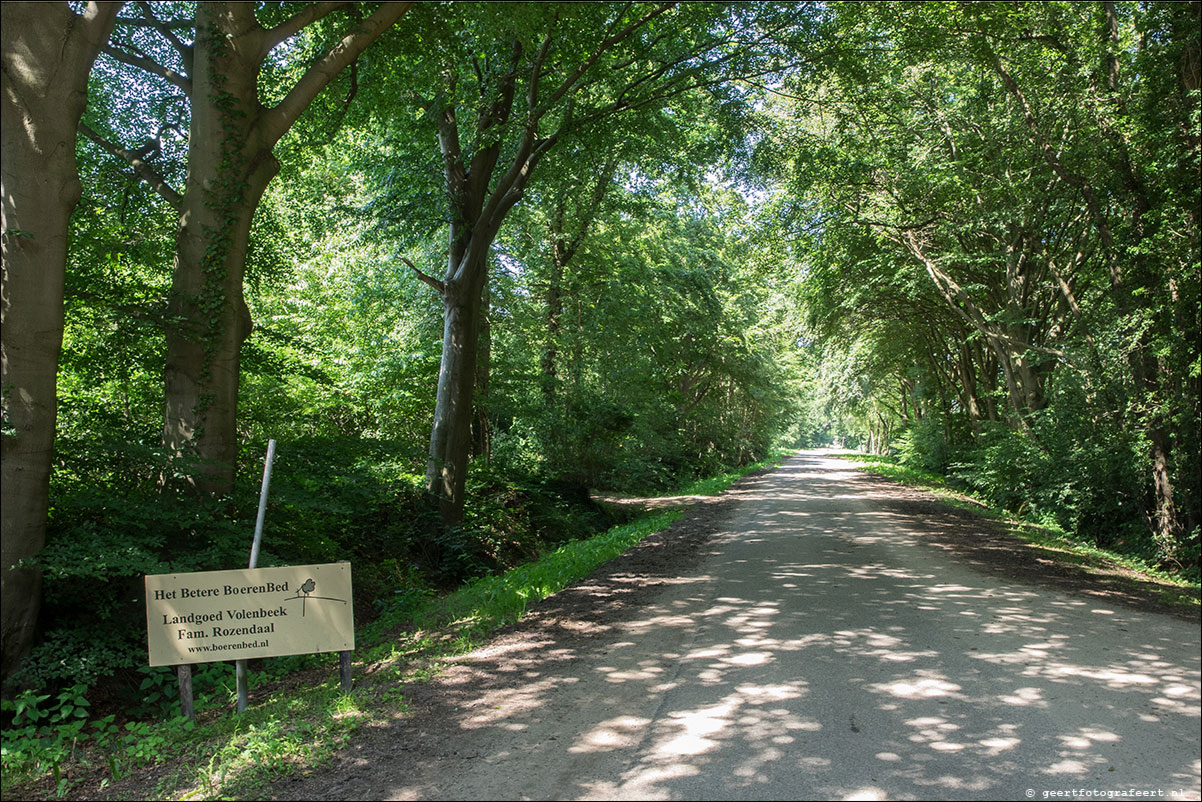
x=305 y=593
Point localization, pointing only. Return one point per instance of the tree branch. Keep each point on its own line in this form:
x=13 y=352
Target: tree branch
x=451 y=150
x=536 y=71
x=510 y=186
x=98 y=19
x=880 y=224
x=277 y=121
x=569 y=82
x=972 y=313
x=604 y=181
x=174 y=25
x=140 y=167
x=149 y=65
x=294 y=24
x=484 y=160
x=1070 y=177
x=185 y=51
x=438 y=286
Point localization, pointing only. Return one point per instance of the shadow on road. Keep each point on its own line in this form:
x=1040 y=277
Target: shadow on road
x=819 y=642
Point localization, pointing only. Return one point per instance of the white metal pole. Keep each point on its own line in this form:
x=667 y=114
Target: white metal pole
x=240 y=665
x=254 y=549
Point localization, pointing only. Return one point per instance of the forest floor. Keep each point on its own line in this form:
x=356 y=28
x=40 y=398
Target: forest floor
x=387 y=758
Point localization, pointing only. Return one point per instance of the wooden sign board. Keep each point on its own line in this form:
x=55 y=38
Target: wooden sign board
x=245 y=614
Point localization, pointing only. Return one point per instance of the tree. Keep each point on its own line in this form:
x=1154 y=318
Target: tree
x=48 y=52
x=568 y=221
x=672 y=361
x=536 y=79
x=230 y=162
x=1021 y=162
x=1135 y=195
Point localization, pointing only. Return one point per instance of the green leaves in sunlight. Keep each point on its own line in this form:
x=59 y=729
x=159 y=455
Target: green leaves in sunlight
x=981 y=196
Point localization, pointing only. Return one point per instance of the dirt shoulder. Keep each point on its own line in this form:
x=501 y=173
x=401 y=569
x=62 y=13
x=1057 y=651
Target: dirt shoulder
x=987 y=545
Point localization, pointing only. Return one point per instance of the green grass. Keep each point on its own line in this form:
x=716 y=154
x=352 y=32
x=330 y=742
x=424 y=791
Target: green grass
x=243 y=755
x=493 y=601
x=454 y=624
x=889 y=467
x=1053 y=542
x=298 y=720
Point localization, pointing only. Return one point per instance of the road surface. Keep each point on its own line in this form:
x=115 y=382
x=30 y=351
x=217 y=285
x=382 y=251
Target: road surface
x=820 y=647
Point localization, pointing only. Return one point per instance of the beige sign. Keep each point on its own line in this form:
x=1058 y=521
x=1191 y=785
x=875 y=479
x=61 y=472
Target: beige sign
x=255 y=612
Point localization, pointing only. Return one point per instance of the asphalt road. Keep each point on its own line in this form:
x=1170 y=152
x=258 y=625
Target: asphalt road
x=822 y=650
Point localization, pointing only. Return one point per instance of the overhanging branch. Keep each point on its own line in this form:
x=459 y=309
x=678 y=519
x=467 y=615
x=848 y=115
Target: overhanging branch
x=151 y=66
x=276 y=121
x=140 y=167
x=185 y=51
x=297 y=22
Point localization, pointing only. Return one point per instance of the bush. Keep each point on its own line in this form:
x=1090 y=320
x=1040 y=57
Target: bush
x=101 y=541
x=930 y=444
x=331 y=499
x=1004 y=468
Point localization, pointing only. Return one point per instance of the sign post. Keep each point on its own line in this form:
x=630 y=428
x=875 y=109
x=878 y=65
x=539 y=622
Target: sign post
x=243 y=682
x=248 y=614
x=251 y=613
x=184 y=672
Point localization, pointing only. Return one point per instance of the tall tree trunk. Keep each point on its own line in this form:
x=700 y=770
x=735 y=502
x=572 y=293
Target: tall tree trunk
x=480 y=197
x=228 y=171
x=230 y=164
x=478 y=208
x=48 y=52
x=968 y=387
x=1167 y=529
x=481 y=430
x=450 y=437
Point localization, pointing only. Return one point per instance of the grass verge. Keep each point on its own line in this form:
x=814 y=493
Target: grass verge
x=1053 y=543
x=300 y=718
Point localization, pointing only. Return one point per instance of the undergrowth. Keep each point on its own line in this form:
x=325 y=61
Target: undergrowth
x=54 y=746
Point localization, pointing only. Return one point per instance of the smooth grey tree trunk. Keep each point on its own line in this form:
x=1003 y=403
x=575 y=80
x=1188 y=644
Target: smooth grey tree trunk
x=228 y=171
x=450 y=437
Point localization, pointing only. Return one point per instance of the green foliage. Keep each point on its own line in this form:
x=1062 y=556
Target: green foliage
x=105 y=537
x=159 y=689
x=213 y=686
x=40 y=737
x=1007 y=468
x=981 y=198
x=332 y=499
x=667 y=363
x=701 y=318
x=337 y=499
x=926 y=443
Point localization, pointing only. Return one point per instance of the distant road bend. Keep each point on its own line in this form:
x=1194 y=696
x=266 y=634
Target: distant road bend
x=818 y=648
